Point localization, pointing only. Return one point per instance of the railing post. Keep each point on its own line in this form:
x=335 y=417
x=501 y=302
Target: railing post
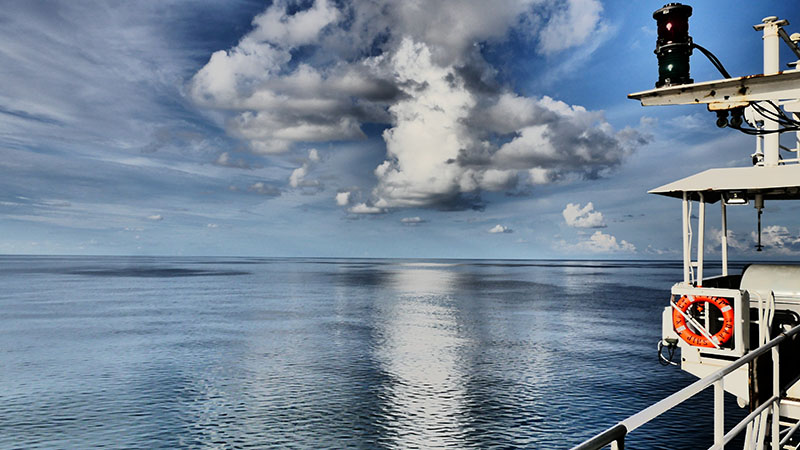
x=719 y=413
x=724 y=237
x=776 y=392
x=687 y=250
x=701 y=231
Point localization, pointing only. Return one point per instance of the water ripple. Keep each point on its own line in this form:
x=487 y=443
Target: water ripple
x=329 y=353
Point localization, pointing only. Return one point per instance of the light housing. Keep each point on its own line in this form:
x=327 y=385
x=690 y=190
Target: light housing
x=735 y=198
x=674 y=45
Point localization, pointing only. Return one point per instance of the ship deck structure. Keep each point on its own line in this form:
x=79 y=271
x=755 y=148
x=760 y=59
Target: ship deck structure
x=737 y=332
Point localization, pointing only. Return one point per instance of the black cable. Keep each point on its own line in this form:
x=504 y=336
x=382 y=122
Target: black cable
x=777 y=115
x=714 y=60
x=670 y=351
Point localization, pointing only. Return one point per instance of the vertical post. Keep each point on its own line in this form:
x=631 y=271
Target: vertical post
x=748 y=437
x=719 y=413
x=772 y=63
x=724 y=239
x=701 y=226
x=686 y=250
x=797 y=139
x=776 y=391
x=771 y=38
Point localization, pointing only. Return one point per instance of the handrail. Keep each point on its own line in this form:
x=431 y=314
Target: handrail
x=646 y=415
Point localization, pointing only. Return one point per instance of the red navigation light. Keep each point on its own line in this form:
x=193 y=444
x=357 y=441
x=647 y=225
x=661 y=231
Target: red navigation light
x=674 y=45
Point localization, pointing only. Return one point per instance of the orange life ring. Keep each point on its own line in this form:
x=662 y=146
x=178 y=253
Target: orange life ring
x=679 y=322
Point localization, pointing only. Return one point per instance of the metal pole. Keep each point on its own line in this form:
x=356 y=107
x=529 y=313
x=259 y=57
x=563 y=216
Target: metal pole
x=719 y=413
x=701 y=226
x=771 y=66
x=724 y=239
x=686 y=250
x=797 y=139
x=776 y=392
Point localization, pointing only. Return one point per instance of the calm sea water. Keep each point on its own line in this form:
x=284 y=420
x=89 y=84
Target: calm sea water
x=333 y=353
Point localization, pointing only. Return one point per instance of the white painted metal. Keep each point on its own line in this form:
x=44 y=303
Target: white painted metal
x=686 y=244
x=724 y=240
x=701 y=228
x=782 y=279
x=780 y=182
x=771 y=25
x=780 y=86
x=744 y=423
x=776 y=393
x=790 y=433
x=719 y=413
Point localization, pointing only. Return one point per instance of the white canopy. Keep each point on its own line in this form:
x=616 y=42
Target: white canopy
x=774 y=183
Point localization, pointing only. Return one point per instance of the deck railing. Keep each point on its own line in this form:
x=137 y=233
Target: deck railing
x=615 y=436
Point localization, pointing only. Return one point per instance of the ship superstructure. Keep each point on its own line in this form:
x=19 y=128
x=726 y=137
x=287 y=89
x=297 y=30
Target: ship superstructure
x=737 y=332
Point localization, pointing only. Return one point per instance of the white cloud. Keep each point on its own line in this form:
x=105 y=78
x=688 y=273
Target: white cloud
x=427 y=81
x=570 y=27
x=429 y=131
x=225 y=160
x=600 y=242
x=412 y=220
x=363 y=208
x=585 y=217
x=301 y=28
x=212 y=225
x=155 y=217
x=262 y=188
x=500 y=229
x=298 y=176
x=778 y=239
x=343 y=198
x=714 y=236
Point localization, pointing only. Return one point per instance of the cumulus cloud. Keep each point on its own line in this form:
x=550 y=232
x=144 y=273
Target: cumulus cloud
x=778 y=239
x=298 y=177
x=714 y=237
x=155 y=217
x=262 y=188
x=317 y=74
x=412 y=220
x=600 y=242
x=363 y=208
x=500 y=229
x=585 y=217
x=212 y=225
x=343 y=198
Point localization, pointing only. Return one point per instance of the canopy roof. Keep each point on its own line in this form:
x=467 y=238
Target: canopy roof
x=774 y=183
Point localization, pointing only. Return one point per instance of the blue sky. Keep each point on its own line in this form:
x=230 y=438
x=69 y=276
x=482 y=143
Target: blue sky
x=447 y=129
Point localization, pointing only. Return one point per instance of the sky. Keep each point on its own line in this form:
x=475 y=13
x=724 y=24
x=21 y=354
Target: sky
x=363 y=128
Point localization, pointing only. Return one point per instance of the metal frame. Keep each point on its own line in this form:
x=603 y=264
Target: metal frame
x=741 y=314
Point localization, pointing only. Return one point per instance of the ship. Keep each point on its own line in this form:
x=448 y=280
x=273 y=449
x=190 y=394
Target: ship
x=736 y=332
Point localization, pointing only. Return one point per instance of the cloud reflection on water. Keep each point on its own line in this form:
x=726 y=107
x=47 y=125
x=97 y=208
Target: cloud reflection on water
x=426 y=397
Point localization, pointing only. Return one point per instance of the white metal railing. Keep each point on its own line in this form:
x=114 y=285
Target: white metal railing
x=615 y=436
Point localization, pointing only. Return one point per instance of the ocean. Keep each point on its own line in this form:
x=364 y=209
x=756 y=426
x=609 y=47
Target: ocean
x=162 y=352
